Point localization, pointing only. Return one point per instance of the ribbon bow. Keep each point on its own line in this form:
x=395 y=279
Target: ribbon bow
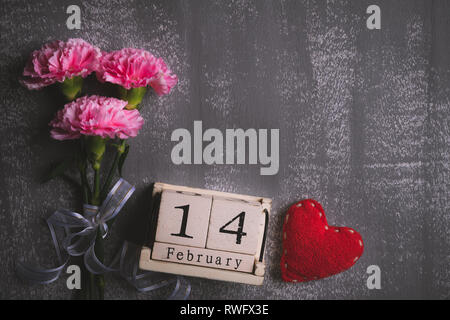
x=83 y=243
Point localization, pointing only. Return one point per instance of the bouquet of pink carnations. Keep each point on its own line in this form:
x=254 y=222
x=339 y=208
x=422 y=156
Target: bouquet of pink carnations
x=95 y=121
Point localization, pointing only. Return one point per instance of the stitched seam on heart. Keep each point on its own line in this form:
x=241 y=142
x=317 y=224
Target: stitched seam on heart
x=295 y=271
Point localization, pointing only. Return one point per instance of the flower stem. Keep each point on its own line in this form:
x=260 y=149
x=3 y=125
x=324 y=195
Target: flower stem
x=97 y=292
x=99 y=278
x=91 y=286
x=85 y=184
x=87 y=283
x=82 y=165
x=96 y=196
x=106 y=186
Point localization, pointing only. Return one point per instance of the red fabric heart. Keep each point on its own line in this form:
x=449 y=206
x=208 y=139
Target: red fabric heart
x=311 y=248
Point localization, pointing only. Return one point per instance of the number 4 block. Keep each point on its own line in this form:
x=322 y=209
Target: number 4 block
x=235 y=225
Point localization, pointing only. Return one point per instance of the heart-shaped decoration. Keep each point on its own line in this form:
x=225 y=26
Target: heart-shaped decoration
x=311 y=248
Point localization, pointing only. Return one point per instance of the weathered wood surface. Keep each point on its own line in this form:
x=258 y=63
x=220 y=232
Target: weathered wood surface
x=364 y=120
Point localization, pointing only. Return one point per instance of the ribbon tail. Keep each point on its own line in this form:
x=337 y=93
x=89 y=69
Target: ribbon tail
x=93 y=264
x=182 y=289
x=35 y=275
x=148 y=281
x=143 y=282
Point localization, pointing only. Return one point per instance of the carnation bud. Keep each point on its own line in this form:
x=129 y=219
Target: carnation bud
x=134 y=96
x=72 y=87
x=95 y=149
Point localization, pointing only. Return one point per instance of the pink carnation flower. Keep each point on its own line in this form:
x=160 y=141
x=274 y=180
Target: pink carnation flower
x=164 y=81
x=58 y=60
x=134 y=68
x=96 y=116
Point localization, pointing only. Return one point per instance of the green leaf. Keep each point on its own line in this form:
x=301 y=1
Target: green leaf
x=59 y=169
x=122 y=158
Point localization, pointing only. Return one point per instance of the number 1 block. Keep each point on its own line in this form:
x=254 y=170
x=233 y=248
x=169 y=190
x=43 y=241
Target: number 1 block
x=235 y=225
x=183 y=218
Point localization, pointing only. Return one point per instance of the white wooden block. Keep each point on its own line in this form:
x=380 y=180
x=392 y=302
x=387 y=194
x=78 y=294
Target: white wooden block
x=203 y=257
x=260 y=269
x=235 y=226
x=183 y=218
x=146 y=263
x=180 y=259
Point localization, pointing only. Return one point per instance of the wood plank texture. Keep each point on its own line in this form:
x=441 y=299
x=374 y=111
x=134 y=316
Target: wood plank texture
x=364 y=119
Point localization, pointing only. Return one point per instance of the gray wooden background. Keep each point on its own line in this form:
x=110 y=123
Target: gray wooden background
x=364 y=119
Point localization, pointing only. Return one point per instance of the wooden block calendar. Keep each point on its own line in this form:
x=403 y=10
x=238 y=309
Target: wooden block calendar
x=205 y=233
